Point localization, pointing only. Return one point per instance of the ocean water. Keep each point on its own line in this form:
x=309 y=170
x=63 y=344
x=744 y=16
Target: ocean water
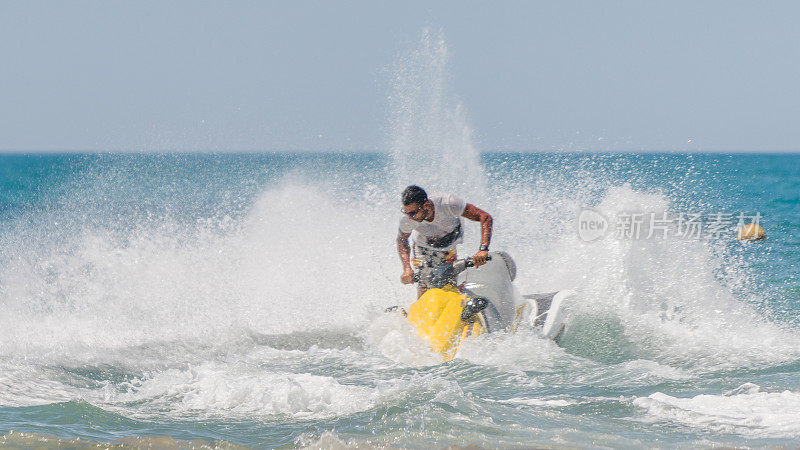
x=237 y=299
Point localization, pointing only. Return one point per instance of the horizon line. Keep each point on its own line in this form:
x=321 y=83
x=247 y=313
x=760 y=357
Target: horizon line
x=387 y=152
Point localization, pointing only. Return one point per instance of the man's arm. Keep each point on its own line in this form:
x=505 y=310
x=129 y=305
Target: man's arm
x=476 y=214
x=404 y=250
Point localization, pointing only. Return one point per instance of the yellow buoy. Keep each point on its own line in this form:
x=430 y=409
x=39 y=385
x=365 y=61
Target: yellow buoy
x=751 y=232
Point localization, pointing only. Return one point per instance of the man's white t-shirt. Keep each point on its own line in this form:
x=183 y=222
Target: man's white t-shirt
x=447 y=217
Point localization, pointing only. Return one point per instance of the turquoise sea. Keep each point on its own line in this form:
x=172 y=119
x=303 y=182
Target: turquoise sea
x=227 y=299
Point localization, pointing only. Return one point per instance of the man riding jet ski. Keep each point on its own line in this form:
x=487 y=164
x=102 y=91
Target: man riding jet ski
x=470 y=297
x=482 y=300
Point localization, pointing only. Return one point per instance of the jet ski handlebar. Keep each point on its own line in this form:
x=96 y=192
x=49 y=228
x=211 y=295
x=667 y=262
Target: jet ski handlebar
x=444 y=273
x=461 y=265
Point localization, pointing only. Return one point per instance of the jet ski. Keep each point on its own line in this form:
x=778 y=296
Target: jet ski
x=464 y=301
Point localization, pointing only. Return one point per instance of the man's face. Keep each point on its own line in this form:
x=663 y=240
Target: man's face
x=415 y=211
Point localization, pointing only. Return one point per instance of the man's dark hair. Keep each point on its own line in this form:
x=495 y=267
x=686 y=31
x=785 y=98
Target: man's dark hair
x=414 y=194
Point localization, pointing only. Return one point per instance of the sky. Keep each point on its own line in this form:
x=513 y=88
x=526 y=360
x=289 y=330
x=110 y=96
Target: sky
x=560 y=75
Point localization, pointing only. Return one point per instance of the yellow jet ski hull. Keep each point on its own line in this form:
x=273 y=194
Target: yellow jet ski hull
x=437 y=318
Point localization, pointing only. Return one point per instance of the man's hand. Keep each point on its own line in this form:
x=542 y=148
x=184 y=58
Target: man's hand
x=408 y=276
x=479 y=258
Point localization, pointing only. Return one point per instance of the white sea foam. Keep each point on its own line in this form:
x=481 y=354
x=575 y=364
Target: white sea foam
x=298 y=247
x=396 y=338
x=650 y=372
x=540 y=402
x=246 y=389
x=746 y=411
x=516 y=352
x=667 y=295
x=25 y=385
x=232 y=390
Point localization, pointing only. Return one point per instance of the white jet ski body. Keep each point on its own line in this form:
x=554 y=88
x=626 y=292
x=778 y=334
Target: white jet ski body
x=483 y=300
